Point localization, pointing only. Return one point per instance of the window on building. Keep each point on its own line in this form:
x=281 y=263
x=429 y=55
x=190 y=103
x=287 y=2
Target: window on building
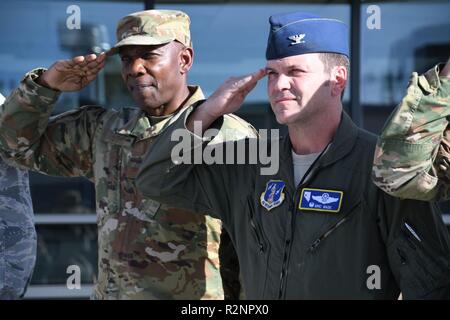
x=229 y=39
x=413 y=36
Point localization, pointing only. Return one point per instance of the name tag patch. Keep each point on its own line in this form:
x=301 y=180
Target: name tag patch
x=273 y=196
x=321 y=200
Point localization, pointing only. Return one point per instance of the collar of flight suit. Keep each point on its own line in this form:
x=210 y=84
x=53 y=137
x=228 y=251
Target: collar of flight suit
x=342 y=143
x=139 y=125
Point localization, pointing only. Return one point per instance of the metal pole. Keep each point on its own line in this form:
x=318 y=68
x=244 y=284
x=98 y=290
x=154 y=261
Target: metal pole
x=149 y=4
x=355 y=63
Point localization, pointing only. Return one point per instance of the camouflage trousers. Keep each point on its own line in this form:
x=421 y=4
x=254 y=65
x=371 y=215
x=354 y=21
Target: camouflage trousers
x=17 y=233
x=17 y=259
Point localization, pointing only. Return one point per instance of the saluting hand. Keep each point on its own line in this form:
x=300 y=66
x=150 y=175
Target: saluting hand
x=231 y=94
x=227 y=99
x=73 y=74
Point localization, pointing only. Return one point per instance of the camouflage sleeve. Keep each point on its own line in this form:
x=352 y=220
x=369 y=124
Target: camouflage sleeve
x=196 y=186
x=412 y=154
x=31 y=139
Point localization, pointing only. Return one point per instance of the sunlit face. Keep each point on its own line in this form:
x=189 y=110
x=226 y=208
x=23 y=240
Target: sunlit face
x=298 y=87
x=152 y=74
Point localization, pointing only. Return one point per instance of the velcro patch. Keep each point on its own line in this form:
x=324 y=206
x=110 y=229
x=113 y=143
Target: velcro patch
x=321 y=200
x=273 y=195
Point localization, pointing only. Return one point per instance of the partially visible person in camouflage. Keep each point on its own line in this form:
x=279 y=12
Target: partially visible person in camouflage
x=17 y=233
x=412 y=157
x=146 y=250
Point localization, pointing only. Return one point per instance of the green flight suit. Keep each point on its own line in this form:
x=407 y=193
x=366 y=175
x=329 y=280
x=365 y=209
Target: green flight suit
x=365 y=245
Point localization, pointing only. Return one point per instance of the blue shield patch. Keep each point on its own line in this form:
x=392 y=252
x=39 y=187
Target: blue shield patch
x=273 y=196
x=321 y=200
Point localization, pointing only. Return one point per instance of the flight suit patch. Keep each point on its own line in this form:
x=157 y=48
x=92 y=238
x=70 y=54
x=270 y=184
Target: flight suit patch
x=321 y=200
x=273 y=196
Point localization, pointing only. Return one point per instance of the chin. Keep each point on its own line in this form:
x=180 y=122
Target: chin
x=281 y=119
x=150 y=104
x=284 y=117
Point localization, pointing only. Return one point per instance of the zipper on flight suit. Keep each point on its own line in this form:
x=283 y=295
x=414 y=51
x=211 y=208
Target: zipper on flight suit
x=309 y=174
x=320 y=239
x=287 y=251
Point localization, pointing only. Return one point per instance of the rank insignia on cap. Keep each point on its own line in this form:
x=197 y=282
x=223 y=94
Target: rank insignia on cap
x=273 y=196
x=297 y=39
x=321 y=200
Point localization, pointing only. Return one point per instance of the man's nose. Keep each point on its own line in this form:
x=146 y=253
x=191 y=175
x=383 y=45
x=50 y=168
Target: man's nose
x=136 y=67
x=281 y=82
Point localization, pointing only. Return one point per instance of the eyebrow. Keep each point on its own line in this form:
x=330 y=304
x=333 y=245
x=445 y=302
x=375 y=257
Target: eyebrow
x=288 y=68
x=297 y=67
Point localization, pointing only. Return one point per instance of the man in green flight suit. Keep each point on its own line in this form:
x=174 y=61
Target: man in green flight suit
x=317 y=228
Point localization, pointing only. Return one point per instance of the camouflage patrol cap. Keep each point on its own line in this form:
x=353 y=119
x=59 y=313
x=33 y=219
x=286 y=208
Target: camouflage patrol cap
x=152 y=27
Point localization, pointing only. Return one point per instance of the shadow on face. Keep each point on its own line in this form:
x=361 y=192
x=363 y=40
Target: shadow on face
x=300 y=87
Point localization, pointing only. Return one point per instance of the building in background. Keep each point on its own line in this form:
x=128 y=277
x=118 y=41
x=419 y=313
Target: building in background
x=229 y=40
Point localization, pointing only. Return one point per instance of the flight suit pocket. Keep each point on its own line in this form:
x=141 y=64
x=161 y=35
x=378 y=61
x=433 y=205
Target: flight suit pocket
x=258 y=255
x=422 y=267
x=331 y=223
x=254 y=226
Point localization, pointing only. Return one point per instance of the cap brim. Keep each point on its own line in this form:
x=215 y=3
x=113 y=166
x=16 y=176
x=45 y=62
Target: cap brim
x=139 y=40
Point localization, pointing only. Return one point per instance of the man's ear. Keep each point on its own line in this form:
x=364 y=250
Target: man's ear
x=186 y=59
x=339 y=77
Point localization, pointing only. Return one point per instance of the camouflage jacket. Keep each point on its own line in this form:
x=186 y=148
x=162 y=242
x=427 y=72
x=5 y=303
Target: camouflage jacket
x=17 y=232
x=146 y=250
x=412 y=156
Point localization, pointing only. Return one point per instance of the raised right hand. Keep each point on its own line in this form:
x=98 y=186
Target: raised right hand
x=231 y=94
x=73 y=74
x=227 y=99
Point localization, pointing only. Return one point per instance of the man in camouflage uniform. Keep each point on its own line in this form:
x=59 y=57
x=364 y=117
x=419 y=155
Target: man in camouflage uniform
x=146 y=250
x=17 y=232
x=412 y=157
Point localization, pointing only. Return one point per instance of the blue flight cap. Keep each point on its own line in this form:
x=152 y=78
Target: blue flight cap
x=297 y=33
